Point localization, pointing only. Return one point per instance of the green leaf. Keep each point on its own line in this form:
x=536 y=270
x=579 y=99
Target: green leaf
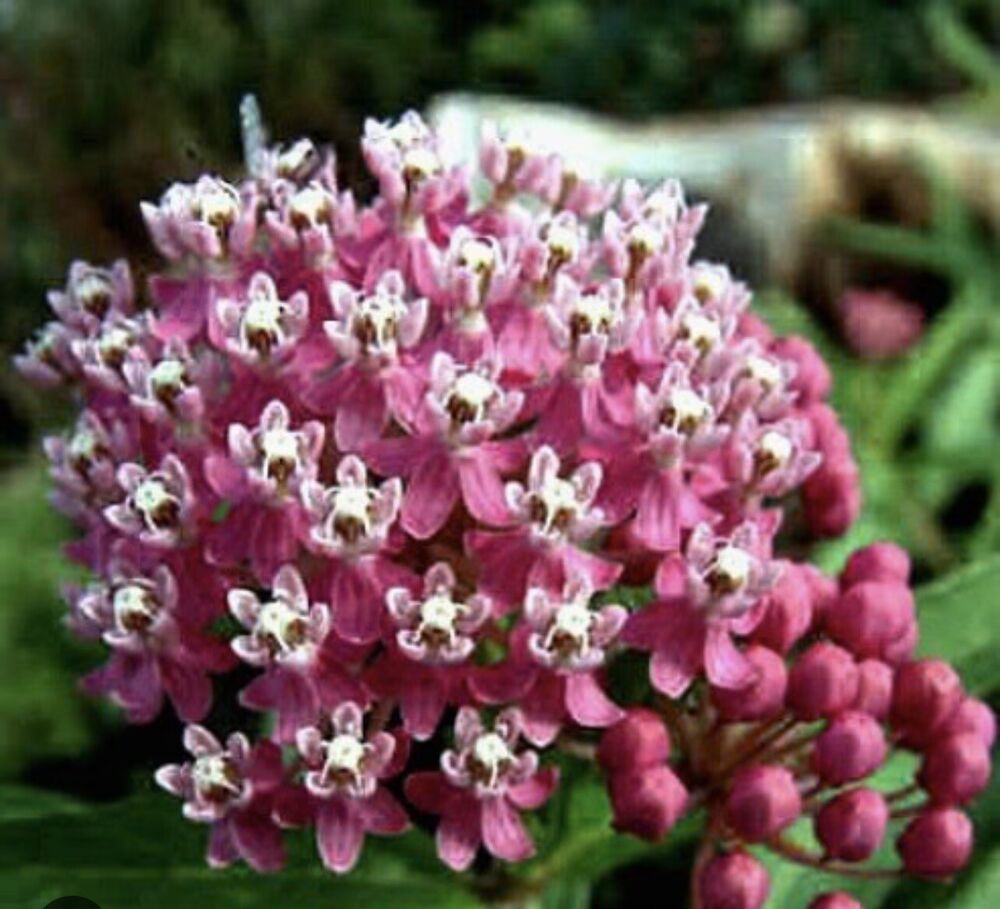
x=959 y=618
x=142 y=852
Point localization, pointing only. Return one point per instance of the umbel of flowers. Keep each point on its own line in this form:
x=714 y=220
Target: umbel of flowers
x=395 y=459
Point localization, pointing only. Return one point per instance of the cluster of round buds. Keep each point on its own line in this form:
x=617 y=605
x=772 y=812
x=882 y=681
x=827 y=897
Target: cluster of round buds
x=408 y=448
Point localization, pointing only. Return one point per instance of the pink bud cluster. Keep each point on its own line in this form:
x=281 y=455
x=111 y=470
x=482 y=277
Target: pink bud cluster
x=394 y=457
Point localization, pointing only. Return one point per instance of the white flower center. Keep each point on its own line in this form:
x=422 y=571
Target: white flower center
x=593 y=313
x=475 y=391
x=167 y=376
x=573 y=619
x=280 y=446
x=217 y=206
x=292 y=161
x=662 y=206
x=439 y=612
x=731 y=569
x=153 y=499
x=421 y=162
x=702 y=331
x=685 y=410
x=213 y=775
x=708 y=285
x=491 y=752
x=563 y=242
x=310 y=206
x=83 y=446
x=763 y=370
x=559 y=505
x=775 y=449
x=93 y=291
x=114 y=344
x=280 y=626
x=645 y=238
x=407 y=133
x=134 y=608
x=478 y=256
x=344 y=754
x=375 y=320
x=263 y=314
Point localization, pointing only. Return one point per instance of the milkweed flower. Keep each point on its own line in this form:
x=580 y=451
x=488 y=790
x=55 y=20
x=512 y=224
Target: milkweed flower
x=391 y=457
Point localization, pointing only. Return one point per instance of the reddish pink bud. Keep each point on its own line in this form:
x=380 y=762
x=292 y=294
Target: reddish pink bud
x=937 y=843
x=831 y=498
x=838 y=900
x=639 y=740
x=972 y=715
x=925 y=695
x=874 y=689
x=852 y=825
x=956 y=769
x=789 y=612
x=734 y=881
x=870 y=616
x=850 y=748
x=764 y=698
x=901 y=650
x=823 y=590
x=762 y=802
x=879 y=325
x=812 y=376
x=823 y=682
x=876 y=562
x=647 y=801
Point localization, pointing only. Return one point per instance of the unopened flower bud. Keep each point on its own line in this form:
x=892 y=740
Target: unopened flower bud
x=877 y=562
x=837 y=900
x=734 y=881
x=812 y=378
x=874 y=689
x=823 y=681
x=831 y=497
x=789 y=612
x=937 y=843
x=852 y=825
x=850 y=748
x=762 y=802
x=972 y=715
x=924 y=696
x=763 y=698
x=956 y=769
x=638 y=740
x=647 y=801
x=870 y=616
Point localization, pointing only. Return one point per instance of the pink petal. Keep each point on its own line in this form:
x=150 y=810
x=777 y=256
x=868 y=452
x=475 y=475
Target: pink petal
x=430 y=496
x=458 y=835
x=503 y=831
x=340 y=835
x=258 y=841
x=422 y=702
x=383 y=814
x=189 y=689
x=356 y=606
x=657 y=520
x=535 y=792
x=725 y=665
x=429 y=792
x=221 y=851
x=483 y=490
x=588 y=704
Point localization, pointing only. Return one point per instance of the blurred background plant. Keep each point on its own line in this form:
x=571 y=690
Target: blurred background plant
x=104 y=102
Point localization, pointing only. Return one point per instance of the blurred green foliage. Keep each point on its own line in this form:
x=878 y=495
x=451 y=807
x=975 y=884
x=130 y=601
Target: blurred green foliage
x=103 y=102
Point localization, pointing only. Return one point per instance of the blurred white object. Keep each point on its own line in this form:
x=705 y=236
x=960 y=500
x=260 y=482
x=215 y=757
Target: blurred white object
x=781 y=168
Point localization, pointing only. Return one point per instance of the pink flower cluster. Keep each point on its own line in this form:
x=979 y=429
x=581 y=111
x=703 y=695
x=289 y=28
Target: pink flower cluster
x=396 y=457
